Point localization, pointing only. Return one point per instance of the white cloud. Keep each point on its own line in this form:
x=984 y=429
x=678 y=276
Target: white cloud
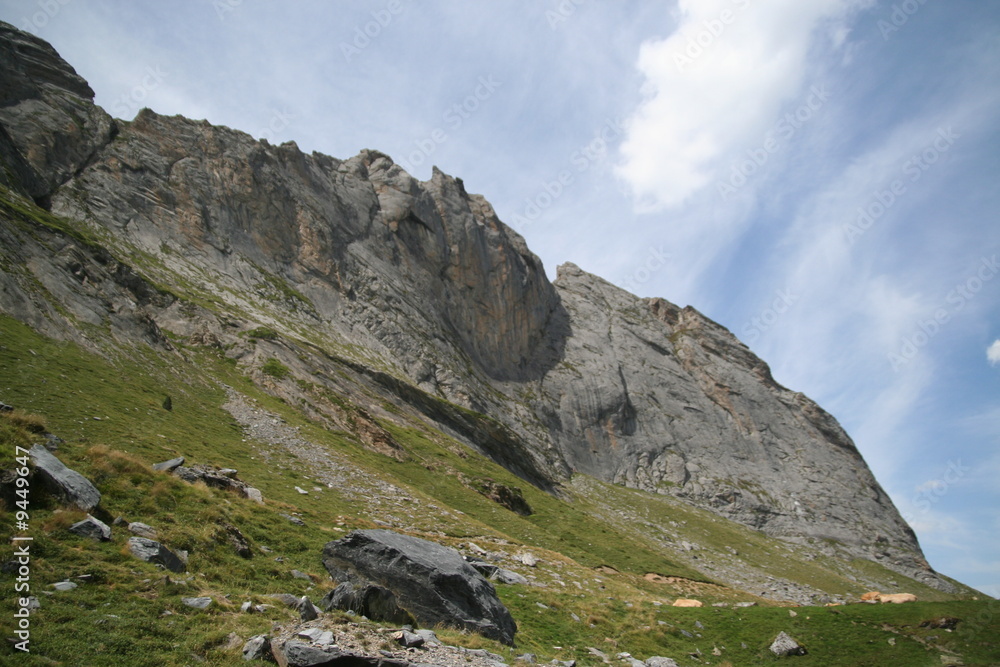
x=993 y=353
x=715 y=87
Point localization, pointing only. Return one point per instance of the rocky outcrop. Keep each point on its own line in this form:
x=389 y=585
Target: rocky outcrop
x=429 y=581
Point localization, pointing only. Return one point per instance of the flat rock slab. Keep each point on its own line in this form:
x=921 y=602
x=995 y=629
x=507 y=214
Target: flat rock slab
x=169 y=466
x=431 y=582
x=67 y=484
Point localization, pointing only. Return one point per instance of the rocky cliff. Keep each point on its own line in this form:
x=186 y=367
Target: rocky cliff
x=362 y=281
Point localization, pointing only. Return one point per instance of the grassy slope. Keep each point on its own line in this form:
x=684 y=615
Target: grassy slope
x=120 y=612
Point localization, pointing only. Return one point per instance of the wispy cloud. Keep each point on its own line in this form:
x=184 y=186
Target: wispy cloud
x=993 y=353
x=714 y=87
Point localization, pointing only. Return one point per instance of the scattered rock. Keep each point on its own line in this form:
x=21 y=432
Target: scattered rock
x=253 y=494
x=142 y=530
x=508 y=577
x=526 y=558
x=294 y=519
x=258 y=648
x=408 y=639
x=64 y=585
x=942 y=623
x=307 y=610
x=430 y=581
x=302 y=491
x=528 y=658
x=301 y=575
x=657 y=661
x=65 y=483
x=215 y=477
x=169 y=466
x=92 y=528
x=783 y=645
x=232 y=536
x=198 y=602
x=152 y=551
x=430 y=637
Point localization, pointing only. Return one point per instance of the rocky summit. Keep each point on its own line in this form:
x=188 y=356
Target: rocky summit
x=404 y=322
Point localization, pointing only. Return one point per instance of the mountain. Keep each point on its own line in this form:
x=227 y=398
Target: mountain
x=376 y=307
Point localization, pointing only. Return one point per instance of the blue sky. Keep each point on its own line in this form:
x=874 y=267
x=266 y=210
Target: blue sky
x=820 y=177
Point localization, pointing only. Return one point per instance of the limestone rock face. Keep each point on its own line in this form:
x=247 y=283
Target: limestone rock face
x=51 y=126
x=419 y=294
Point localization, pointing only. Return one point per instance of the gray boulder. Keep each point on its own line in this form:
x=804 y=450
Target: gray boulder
x=92 y=528
x=258 y=648
x=783 y=645
x=69 y=485
x=431 y=582
x=152 y=551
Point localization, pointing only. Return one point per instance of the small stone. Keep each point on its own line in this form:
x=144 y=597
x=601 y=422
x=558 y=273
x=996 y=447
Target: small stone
x=64 y=585
x=93 y=528
x=197 y=603
x=528 y=559
x=257 y=648
x=301 y=575
x=408 y=639
x=302 y=491
x=253 y=494
x=658 y=661
x=784 y=645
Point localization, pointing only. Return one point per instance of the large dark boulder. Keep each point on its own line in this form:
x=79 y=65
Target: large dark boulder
x=429 y=581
